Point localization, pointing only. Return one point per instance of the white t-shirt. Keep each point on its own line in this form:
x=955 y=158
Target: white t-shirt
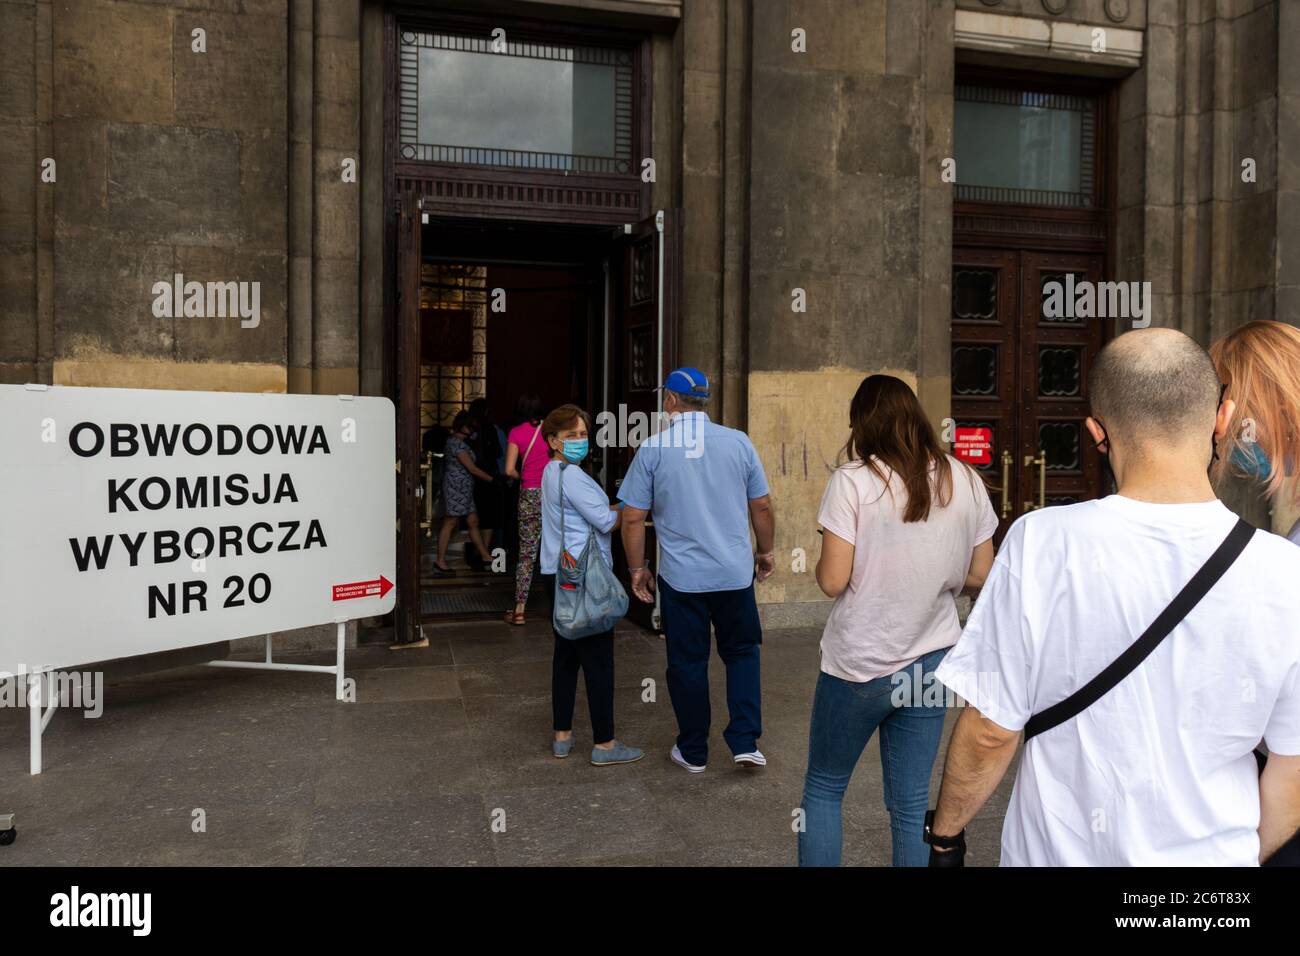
x=1159 y=771
x=900 y=603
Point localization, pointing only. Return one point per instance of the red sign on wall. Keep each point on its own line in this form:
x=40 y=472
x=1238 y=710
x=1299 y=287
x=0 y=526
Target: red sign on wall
x=973 y=445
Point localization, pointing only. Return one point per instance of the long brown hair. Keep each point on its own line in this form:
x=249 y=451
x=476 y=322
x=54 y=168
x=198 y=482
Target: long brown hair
x=1260 y=364
x=888 y=428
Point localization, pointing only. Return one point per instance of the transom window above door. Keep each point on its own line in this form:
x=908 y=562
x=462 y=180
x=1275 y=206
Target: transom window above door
x=515 y=103
x=1025 y=147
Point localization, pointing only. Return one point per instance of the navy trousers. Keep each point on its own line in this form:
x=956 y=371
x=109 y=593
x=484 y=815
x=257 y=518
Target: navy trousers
x=734 y=617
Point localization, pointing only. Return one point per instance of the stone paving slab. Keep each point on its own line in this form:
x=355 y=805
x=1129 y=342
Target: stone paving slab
x=443 y=747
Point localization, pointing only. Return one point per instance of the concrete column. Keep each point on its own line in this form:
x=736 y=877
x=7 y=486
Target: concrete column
x=704 y=55
x=25 y=202
x=336 y=216
x=734 y=344
x=301 y=193
x=372 y=200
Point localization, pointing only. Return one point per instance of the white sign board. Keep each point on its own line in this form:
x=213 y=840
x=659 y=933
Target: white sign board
x=141 y=520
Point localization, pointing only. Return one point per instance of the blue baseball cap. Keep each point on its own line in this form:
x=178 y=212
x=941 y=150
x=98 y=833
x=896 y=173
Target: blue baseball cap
x=688 y=381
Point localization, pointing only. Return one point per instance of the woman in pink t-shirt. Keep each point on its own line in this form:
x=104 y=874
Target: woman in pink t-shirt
x=526 y=457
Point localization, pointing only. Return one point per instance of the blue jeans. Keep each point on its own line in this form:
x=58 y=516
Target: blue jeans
x=844 y=716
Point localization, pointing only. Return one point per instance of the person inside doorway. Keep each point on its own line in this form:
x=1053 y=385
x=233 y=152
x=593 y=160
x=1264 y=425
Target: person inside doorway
x=488 y=444
x=458 y=493
x=566 y=527
x=905 y=528
x=1155 y=765
x=705 y=486
x=526 y=458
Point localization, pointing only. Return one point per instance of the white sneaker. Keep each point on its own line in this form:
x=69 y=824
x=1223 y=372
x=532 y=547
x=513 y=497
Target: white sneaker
x=681 y=761
x=751 y=760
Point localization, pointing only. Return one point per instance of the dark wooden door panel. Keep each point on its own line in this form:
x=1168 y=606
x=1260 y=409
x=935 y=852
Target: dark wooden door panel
x=409 y=499
x=645 y=294
x=984 y=360
x=1057 y=353
x=1023 y=375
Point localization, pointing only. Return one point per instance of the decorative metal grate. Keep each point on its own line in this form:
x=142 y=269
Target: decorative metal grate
x=620 y=60
x=1084 y=106
x=1059 y=371
x=974 y=370
x=494 y=198
x=1059 y=442
x=1066 y=317
x=974 y=294
x=447 y=389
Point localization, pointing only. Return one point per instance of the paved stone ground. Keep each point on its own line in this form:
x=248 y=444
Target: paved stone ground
x=439 y=739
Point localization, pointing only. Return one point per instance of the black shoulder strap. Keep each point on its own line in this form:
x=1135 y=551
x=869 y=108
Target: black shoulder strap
x=1139 y=650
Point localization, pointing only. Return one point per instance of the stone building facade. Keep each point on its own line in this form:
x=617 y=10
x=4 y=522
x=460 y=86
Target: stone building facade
x=803 y=144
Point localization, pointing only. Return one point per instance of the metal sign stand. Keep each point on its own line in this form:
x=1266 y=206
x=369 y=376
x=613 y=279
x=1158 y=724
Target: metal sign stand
x=269 y=665
x=42 y=712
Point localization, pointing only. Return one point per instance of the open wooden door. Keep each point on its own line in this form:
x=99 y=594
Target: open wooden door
x=410 y=484
x=643 y=334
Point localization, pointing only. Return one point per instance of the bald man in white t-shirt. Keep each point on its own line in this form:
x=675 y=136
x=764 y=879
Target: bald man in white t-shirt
x=1159 y=770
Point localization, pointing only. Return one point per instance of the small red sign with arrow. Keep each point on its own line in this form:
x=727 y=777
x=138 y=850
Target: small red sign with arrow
x=361 y=589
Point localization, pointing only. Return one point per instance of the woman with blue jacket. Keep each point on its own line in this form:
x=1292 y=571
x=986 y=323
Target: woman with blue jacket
x=586 y=508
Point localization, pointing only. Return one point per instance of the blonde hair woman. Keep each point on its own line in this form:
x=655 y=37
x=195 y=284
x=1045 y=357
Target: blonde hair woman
x=1259 y=364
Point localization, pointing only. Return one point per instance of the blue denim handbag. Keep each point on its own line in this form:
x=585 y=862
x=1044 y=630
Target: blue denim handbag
x=589 y=599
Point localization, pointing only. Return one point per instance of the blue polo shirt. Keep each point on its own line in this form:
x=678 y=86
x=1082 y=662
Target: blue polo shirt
x=696 y=479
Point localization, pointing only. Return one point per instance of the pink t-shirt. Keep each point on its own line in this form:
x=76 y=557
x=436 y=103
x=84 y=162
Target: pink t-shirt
x=901 y=600
x=530 y=468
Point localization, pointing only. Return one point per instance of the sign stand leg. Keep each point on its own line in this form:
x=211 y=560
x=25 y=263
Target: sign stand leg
x=338 y=668
x=34 y=716
x=39 y=713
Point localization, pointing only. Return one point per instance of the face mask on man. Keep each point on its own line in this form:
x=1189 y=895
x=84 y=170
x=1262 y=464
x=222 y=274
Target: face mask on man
x=575 y=450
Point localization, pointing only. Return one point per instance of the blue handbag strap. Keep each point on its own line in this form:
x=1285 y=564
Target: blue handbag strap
x=590 y=530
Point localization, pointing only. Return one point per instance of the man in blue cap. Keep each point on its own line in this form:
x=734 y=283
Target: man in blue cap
x=704 y=485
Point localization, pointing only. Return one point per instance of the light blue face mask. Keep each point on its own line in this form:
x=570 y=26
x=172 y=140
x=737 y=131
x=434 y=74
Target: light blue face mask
x=1253 y=463
x=575 y=450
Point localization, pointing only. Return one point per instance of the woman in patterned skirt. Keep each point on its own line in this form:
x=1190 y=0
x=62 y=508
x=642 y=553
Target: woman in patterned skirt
x=458 y=493
x=526 y=458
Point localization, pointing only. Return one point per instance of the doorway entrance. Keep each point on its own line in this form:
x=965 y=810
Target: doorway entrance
x=1032 y=209
x=492 y=311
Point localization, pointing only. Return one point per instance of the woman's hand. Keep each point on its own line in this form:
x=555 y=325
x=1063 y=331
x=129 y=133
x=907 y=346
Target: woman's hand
x=466 y=459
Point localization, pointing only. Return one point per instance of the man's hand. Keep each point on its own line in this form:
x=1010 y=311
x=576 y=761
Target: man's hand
x=643 y=585
x=764 y=565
